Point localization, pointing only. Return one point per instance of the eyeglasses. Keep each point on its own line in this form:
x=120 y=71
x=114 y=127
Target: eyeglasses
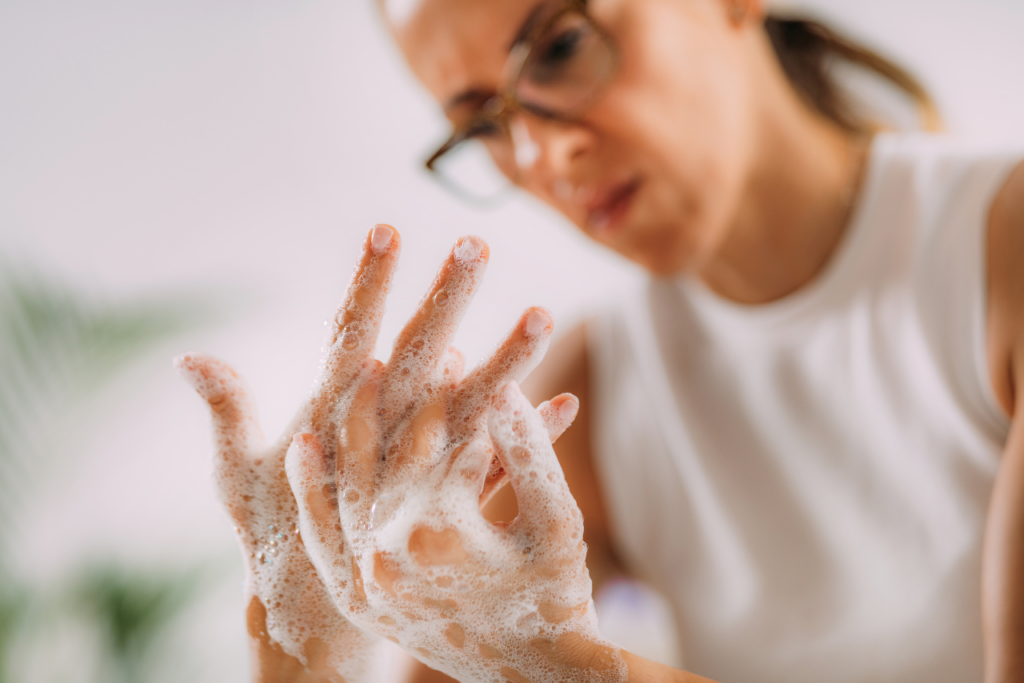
x=556 y=72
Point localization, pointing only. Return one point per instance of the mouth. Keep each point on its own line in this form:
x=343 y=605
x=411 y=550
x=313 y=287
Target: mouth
x=607 y=207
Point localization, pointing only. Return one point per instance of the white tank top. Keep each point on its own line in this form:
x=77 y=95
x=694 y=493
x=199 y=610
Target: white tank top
x=807 y=481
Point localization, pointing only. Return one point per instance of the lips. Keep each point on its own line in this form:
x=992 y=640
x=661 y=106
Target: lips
x=606 y=206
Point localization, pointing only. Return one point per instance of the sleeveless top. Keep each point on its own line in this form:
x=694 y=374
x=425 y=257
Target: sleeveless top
x=807 y=481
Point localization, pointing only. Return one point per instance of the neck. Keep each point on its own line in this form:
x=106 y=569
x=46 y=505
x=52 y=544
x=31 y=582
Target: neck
x=793 y=208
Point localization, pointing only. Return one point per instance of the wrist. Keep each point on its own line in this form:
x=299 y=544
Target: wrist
x=271 y=664
x=572 y=654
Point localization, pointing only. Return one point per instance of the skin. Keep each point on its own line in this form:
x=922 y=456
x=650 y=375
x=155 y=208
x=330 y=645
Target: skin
x=742 y=189
x=741 y=186
x=742 y=183
x=1003 y=563
x=251 y=478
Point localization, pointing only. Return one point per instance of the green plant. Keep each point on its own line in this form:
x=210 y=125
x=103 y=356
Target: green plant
x=58 y=347
x=133 y=611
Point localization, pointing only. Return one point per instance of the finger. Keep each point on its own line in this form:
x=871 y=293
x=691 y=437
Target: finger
x=236 y=429
x=357 y=322
x=518 y=354
x=427 y=425
x=476 y=465
x=495 y=480
x=454 y=366
x=421 y=347
x=311 y=476
x=359 y=453
x=547 y=510
x=558 y=414
x=469 y=464
x=415 y=449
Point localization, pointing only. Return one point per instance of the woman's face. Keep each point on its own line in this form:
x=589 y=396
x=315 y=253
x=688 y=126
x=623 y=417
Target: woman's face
x=654 y=168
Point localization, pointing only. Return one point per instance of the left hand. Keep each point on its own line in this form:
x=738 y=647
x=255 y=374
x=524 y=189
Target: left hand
x=296 y=631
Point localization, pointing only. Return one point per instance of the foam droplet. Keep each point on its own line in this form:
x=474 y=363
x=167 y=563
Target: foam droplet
x=467 y=251
x=350 y=337
x=383 y=510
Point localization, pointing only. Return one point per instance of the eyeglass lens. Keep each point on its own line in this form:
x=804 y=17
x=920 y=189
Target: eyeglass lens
x=563 y=73
x=565 y=68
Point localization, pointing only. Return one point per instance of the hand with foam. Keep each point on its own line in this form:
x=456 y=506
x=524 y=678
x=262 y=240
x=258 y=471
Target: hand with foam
x=389 y=505
x=297 y=633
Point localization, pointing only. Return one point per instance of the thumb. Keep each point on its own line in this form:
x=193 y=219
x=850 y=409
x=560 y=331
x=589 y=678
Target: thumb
x=523 y=444
x=311 y=475
x=236 y=430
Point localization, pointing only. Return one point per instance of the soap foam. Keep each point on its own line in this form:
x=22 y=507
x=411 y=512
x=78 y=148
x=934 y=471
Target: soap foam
x=513 y=594
x=300 y=613
x=468 y=250
x=250 y=481
x=497 y=607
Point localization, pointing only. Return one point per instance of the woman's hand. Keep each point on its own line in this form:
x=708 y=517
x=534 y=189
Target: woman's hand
x=297 y=633
x=389 y=497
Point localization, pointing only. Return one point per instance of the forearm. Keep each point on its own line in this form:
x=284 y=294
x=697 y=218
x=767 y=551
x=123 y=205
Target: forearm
x=1003 y=567
x=640 y=671
x=271 y=664
x=645 y=671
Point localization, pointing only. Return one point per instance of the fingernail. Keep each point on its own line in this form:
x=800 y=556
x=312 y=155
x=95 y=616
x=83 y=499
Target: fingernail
x=536 y=323
x=380 y=238
x=468 y=249
x=567 y=411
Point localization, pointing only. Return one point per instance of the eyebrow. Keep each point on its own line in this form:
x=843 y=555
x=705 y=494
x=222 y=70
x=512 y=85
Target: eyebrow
x=479 y=94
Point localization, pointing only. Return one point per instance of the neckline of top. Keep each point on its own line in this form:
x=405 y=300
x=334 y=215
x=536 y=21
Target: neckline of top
x=842 y=260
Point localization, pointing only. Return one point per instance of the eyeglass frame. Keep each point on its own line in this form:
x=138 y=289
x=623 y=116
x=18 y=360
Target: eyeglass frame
x=499 y=108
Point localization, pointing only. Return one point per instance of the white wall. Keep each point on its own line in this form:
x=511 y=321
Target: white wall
x=242 y=147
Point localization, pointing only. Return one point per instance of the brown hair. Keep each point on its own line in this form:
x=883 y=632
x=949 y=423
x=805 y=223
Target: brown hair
x=807 y=51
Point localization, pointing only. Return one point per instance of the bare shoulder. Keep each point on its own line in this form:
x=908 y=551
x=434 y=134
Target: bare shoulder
x=1005 y=259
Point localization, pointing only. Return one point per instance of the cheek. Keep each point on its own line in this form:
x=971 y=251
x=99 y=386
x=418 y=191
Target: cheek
x=689 y=123
x=678 y=114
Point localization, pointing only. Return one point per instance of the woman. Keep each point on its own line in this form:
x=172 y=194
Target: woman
x=804 y=432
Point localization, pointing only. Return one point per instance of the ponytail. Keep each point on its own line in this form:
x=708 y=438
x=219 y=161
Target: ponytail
x=806 y=50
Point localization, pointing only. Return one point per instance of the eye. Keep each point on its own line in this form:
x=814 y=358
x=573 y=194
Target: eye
x=562 y=52
x=559 y=49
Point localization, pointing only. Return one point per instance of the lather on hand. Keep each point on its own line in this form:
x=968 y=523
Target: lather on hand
x=298 y=634
x=389 y=503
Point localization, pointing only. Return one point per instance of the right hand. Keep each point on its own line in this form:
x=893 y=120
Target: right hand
x=407 y=554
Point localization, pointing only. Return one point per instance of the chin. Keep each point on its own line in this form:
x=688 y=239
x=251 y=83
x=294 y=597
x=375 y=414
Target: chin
x=662 y=252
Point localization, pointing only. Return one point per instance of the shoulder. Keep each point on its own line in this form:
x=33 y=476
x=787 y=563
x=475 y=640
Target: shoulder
x=1005 y=259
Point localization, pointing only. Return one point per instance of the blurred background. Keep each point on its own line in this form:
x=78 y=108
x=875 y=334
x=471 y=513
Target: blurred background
x=198 y=175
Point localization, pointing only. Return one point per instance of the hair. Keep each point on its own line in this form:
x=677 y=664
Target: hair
x=807 y=51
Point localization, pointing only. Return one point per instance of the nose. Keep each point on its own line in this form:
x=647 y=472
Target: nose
x=544 y=147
